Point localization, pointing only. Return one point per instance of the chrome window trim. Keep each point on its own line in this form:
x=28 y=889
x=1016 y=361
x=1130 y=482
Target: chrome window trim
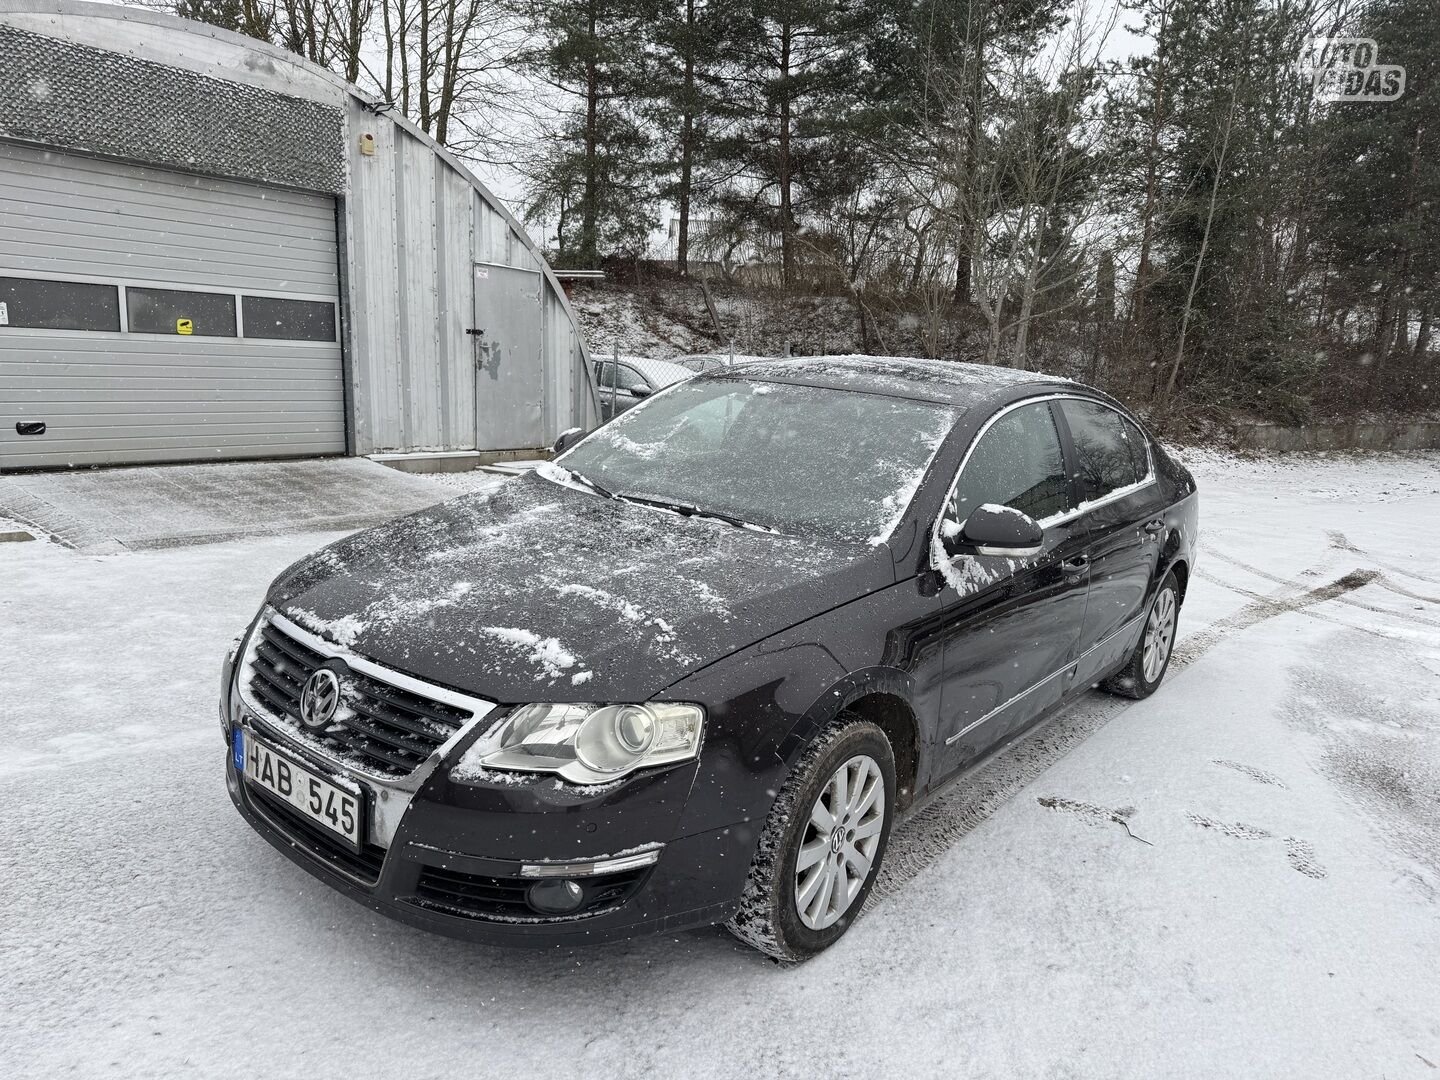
x=1083 y=508
x=1048 y=678
x=392 y=793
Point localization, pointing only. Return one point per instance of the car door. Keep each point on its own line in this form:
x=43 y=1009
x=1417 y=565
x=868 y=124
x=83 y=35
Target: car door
x=1122 y=508
x=1012 y=626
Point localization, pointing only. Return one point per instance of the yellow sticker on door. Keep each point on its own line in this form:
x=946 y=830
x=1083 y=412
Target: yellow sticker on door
x=184 y=326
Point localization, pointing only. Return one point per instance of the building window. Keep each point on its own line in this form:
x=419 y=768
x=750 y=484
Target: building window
x=292 y=320
x=169 y=311
x=58 y=305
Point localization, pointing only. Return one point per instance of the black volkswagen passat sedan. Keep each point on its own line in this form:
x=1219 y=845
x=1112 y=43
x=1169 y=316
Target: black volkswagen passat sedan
x=693 y=670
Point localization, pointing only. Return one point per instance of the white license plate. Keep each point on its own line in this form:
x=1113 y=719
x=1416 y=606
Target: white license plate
x=311 y=795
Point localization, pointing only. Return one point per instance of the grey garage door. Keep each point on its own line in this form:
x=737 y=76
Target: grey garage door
x=151 y=316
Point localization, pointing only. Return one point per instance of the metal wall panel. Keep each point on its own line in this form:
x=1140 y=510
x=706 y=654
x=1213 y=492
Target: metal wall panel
x=454 y=242
x=418 y=225
x=415 y=167
x=132 y=397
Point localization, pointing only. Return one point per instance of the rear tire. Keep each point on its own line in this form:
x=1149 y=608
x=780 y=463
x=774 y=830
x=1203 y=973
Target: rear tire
x=1147 y=665
x=834 y=813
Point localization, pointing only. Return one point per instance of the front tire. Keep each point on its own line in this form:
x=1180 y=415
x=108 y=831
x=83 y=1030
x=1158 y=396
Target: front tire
x=822 y=845
x=1147 y=665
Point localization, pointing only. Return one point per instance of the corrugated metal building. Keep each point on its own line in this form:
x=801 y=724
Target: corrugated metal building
x=212 y=249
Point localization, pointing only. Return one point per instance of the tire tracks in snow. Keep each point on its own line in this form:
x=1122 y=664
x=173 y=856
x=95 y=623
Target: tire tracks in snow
x=1262 y=608
x=1376 y=576
x=941 y=820
x=1340 y=541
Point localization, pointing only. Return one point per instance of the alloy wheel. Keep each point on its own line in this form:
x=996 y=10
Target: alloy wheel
x=1159 y=635
x=840 y=841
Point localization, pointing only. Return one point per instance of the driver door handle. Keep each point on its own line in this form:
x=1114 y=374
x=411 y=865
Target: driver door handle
x=1153 y=527
x=1079 y=562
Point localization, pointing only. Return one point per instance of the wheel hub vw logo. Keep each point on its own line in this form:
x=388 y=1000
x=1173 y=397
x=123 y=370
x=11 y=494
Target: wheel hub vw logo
x=319 y=700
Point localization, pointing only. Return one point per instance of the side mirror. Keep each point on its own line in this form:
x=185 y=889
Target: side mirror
x=994 y=530
x=640 y=391
x=568 y=438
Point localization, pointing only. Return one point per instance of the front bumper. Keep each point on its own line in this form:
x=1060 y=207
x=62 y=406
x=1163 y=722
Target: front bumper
x=453 y=864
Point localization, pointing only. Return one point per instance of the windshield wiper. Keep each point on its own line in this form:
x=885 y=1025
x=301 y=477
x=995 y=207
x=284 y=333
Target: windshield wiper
x=691 y=510
x=592 y=485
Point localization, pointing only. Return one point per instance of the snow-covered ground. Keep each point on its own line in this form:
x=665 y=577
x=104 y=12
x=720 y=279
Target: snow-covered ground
x=1281 y=917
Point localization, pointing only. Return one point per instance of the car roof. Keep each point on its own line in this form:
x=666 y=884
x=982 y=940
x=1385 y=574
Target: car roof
x=952 y=382
x=661 y=372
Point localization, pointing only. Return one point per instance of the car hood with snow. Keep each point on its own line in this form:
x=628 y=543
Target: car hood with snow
x=542 y=592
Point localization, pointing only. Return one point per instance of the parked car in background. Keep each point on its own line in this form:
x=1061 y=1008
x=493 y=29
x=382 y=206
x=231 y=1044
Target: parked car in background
x=704 y=363
x=623 y=382
x=693 y=670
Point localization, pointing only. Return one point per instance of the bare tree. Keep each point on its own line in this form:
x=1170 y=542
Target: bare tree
x=447 y=65
x=1222 y=148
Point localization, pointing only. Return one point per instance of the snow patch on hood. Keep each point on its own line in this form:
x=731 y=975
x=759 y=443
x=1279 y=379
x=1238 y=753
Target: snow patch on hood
x=546 y=653
x=342 y=631
x=664 y=635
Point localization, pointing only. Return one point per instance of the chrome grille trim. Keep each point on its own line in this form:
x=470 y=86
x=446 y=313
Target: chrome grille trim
x=392 y=793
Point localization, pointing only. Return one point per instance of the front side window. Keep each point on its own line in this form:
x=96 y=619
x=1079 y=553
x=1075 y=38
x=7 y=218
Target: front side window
x=608 y=374
x=1110 y=450
x=171 y=311
x=1017 y=463
x=58 y=305
x=804 y=460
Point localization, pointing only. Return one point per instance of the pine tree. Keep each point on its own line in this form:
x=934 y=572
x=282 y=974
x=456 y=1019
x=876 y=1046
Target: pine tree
x=795 y=72
x=1381 y=221
x=687 y=41
x=596 y=168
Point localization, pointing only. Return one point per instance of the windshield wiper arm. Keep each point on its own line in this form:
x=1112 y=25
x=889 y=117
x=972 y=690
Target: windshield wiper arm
x=592 y=484
x=691 y=510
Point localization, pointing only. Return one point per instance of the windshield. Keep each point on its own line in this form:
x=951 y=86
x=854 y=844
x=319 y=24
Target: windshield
x=832 y=464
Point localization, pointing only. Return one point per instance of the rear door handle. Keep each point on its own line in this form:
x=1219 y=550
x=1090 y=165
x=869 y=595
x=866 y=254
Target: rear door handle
x=1153 y=527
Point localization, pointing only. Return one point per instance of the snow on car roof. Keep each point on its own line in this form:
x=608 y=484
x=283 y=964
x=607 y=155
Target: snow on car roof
x=725 y=358
x=949 y=381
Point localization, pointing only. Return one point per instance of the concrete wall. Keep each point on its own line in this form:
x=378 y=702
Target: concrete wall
x=1367 y=435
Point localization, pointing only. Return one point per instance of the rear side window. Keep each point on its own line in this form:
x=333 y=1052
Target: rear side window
x=1016 y=463
x=59 y=305
x=170 y=311
x=1110 y=449
x=292 y=320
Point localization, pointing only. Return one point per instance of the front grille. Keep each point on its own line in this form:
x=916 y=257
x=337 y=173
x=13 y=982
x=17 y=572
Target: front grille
x=319 y=842
x=387 y=730
x=503 y=899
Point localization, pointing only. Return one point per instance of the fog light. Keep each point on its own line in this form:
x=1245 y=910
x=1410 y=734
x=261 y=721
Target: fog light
x=555 y=897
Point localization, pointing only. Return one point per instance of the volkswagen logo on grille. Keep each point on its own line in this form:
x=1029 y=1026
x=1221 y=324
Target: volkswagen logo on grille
x=319 y=700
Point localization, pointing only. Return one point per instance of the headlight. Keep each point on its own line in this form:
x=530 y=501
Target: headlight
x=588 y=744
